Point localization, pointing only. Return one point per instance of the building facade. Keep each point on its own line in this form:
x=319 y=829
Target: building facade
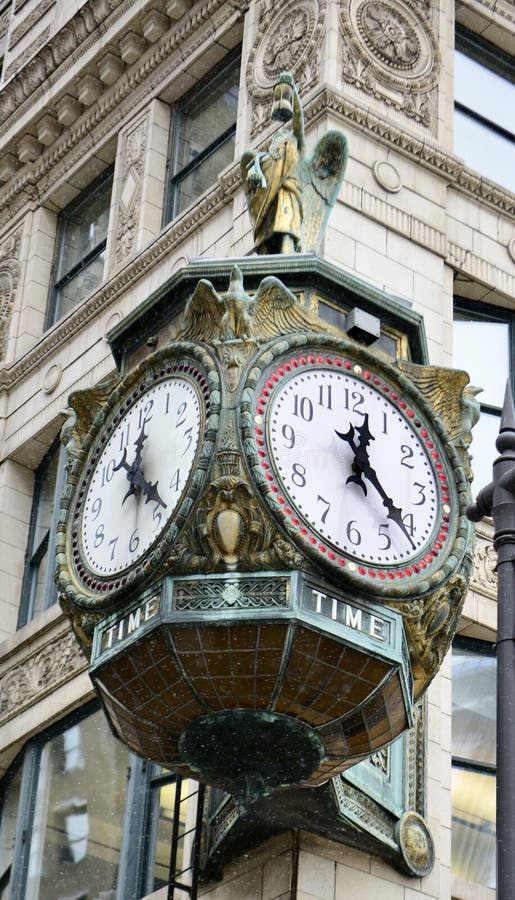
x=121 y=129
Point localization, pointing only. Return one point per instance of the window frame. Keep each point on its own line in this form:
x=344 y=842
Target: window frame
x=495 y=60
x=58 y=281
x=173 y=177
x=46 y=546
x=478 y=311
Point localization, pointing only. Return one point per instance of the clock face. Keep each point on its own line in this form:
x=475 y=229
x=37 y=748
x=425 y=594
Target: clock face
x=137 y=475
x=357 y=474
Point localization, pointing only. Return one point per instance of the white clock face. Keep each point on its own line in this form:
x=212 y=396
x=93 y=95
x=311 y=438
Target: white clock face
x=352 y=467
x=140 y=476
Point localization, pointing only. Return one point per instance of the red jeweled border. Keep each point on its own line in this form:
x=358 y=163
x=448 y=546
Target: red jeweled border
x=310 y=359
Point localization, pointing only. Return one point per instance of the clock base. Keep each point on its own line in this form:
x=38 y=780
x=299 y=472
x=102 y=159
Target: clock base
x=250 y=753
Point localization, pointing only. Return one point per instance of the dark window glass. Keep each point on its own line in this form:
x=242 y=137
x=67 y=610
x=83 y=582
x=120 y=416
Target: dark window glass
x=484 y=130
x=38 y=590
x=9 y=803
x=484 y=346
x=473 y=771
x=203 y=130
x=80 y=251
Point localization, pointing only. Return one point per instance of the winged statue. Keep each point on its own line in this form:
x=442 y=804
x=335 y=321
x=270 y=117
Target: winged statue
x=289 y=196
x=235 y=315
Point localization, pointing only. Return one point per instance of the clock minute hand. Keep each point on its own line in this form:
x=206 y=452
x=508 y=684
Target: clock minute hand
x=357 y=478
x=364 y=468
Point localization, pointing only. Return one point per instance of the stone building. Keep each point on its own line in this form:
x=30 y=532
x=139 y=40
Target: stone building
x=121 y=128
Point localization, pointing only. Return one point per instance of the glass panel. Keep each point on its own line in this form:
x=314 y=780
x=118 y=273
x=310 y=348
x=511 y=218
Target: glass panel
x=473 y=705
x=84 y=228
x=484 y=91
x=8 y=819
x=163 y=814
x=484 y=150
x=78 y=814
x=483 y=449
x=46 y=481
x=164 y=809
x=208 y=116
x=79 y=287
x=473 y=826
x=193 y=185
x=482 y=349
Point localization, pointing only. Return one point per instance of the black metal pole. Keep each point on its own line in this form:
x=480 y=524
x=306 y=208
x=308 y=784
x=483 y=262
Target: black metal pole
x=498 y=500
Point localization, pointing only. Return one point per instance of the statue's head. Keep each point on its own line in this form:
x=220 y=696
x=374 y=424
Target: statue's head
x=282 y=100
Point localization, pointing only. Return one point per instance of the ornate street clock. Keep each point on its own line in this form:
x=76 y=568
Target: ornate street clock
x=263 y=545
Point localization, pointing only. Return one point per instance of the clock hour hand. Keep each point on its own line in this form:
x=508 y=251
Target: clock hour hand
x=363 y=467
x=137 y=480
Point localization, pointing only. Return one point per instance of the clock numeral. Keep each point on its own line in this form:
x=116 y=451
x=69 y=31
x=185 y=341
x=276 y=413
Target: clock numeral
x=113 y=544
x=298 y=474
x=181 y=418
x=303 y=407
x=326 y=510
x=288 y=434
x=107 y=472
x=99 y=536
x=385 y=423
x=188 y=434
x=176 y=477
x=167 y=403
x=421 y=494
x=383 y=532
x=124 y=436
x=353 y=535
x=408 y=454
x=96 y=507
x=145 y=414
x=324 y=396
x=409 y=524
x=133 y=541
x=157 y=516
x=353 y=400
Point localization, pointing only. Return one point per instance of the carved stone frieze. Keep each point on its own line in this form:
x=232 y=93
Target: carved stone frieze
x=29 y=21
x=287 y=38
x=484 y=575
x=9 y=277
x=129 y=198
x=391 y=53
x=44 y=670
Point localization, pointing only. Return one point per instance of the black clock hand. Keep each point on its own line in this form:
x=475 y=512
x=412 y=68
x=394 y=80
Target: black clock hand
x=135 y=475
x=364 y=468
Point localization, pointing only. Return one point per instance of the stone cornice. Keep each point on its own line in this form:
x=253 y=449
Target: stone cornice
x=428 y=154
x=139 y=84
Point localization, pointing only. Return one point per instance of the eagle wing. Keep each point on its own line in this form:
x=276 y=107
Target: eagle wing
x=203 y=314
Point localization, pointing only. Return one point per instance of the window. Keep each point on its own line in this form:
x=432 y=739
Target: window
x=38 y=589
x=473 y=770
x=80 y=249
x=82 y=817
x=173 y=827
x=484 y=346
x=484 y=133
x=203 y=134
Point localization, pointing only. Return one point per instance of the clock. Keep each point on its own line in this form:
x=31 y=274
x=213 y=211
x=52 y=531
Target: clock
x=347 y=455
x=146 y=456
